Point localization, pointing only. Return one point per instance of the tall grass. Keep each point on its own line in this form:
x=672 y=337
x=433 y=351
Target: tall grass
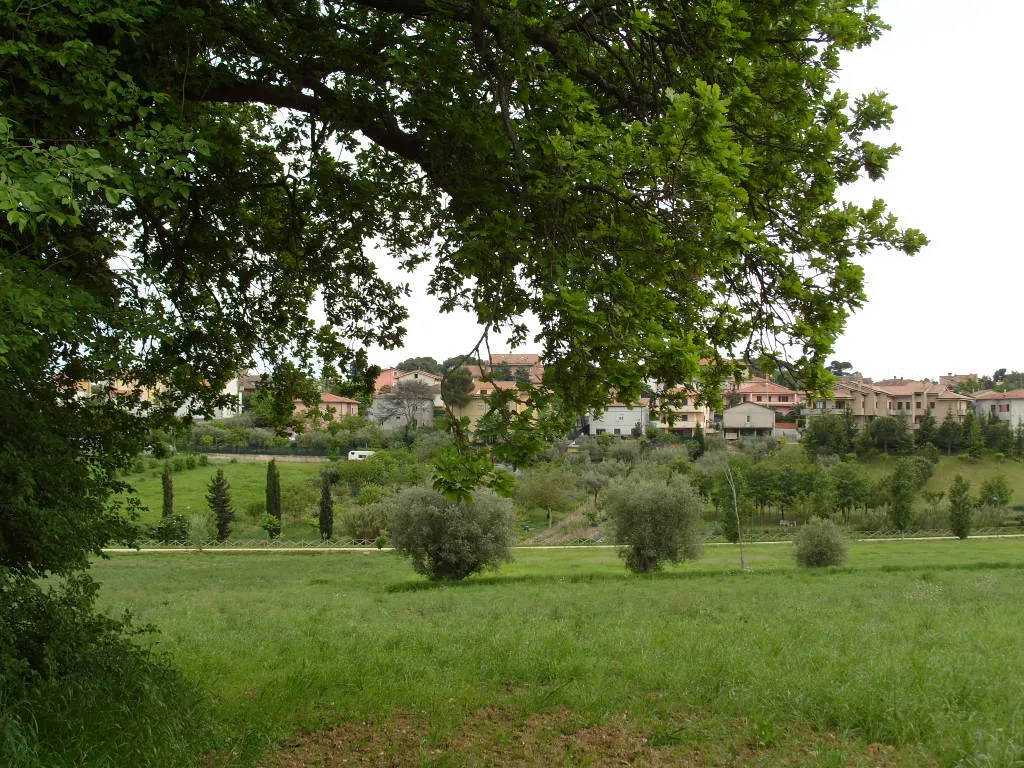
x=912 y=644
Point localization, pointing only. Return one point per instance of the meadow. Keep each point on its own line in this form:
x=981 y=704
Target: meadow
x=908 y=656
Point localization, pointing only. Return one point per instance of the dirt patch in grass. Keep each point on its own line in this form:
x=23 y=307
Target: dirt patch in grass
x=503 y=737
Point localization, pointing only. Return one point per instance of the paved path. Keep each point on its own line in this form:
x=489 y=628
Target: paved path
x=373 y=550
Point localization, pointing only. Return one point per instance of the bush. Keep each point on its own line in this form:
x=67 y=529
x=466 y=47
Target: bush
x=365 y=522
x=820 y=544
x=75 y=690
x=961 y=507
x=172 y=529
x=656 y=522
x=448 y=540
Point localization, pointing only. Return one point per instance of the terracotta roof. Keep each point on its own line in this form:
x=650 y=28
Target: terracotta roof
x=428 y=374
x=481 y=387
x=1016 y=394
x=514 y=359
x=327 y=397
x=904 y=387
x=763 y=386
x=949 y=394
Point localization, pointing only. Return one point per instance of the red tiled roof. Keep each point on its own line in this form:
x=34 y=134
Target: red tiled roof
x=515 y=359
x=327 y=397
x=763 y=386
x=487 y=387
x=428 y=374
x=1016 y=394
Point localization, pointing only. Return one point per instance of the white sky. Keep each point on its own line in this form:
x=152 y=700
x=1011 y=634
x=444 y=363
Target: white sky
x=951 y=68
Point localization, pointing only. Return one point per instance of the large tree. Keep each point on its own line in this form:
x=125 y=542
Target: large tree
x=656 y=183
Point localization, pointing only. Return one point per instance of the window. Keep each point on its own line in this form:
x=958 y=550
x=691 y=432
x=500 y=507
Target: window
x=759 y=399
x=918 y=405
x=617 y=431
x=483 y=391
x=783 y=398
x=748 y=419
x=686 y=417
x=601 y=431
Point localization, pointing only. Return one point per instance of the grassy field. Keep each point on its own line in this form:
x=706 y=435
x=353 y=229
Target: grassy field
x=248 y=486
x=910 y=656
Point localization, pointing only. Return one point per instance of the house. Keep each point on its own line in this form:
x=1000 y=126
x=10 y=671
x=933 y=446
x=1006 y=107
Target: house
x=479 y=403
x=769 y=394
x=892 y=397
x=620 y=419
x=1005 y=406
x=952 y=380
x=527 y=365
x=392 y=412
x=748 y=420
x=683 y=415
x=431 y=380
x=386 y=380
x=330 y=408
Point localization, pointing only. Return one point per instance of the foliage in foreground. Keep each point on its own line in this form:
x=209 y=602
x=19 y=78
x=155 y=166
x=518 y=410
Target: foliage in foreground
x=657 y=522
x=820 y=544
x=449 y=540
x=68 y=676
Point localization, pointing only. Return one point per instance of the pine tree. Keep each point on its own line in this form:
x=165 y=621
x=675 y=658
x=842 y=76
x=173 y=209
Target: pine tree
x=218 y=496
x=326 y=519
x=950 y=433
x=701 y=443
x=168 y=509
x=273 y=496
x=961 y=507
x=927 y=430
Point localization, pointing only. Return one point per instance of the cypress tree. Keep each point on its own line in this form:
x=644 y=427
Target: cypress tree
x=274 y=497
x=168 y=509
x=218 y=496
x=326 y=518
x=961 y=507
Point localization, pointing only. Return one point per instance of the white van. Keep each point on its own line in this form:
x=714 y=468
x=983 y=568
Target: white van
x=359 y=455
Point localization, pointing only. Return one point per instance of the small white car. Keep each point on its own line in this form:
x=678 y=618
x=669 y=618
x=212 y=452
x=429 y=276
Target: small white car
x=359 y=455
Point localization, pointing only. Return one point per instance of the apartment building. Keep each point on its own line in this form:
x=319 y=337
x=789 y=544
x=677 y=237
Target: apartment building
x=911 y=399
x=682 y=416
x=1005 y=406
x=761 y=391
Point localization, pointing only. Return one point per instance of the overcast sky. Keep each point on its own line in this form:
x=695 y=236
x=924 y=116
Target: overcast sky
x=952 y=69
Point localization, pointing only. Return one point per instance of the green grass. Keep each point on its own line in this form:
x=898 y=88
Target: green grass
x=915 y=645
x=248 y=486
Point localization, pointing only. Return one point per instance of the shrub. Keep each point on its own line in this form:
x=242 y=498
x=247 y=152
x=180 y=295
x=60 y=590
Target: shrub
x=366 y=522
x=172 y=529
x=961 y=507
x=448 y=540
x=656 y=522
x=996 y=492
x=201 y=529
x=820 y=544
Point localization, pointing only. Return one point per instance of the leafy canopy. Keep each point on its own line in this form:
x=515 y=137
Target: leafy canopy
x=655 y=183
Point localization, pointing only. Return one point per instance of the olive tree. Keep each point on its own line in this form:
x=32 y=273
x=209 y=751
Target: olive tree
x=448 y=540
x=656 y=522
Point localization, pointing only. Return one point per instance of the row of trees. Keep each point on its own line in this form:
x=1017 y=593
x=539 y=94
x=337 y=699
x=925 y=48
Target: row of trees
x=836 y=434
